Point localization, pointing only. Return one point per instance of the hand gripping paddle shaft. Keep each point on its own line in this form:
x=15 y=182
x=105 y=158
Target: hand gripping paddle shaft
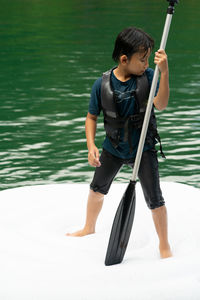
x=123 y=221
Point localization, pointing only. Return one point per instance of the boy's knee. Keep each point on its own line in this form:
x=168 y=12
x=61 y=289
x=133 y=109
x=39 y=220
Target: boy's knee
x=155 y=208
x=154 y=200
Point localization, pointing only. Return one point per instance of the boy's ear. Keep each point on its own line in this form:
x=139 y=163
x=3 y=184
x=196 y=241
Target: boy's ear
x=123 y=59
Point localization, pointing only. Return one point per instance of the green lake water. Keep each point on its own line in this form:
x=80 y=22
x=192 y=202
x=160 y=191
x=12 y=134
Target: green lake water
x=51 y=52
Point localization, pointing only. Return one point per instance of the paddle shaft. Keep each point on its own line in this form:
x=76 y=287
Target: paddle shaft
x=150 y=102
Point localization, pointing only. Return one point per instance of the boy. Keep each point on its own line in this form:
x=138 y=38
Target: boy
x=121 y=93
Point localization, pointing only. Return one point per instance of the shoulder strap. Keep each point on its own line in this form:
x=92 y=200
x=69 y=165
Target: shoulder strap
x=107 y=96
x=142 y=92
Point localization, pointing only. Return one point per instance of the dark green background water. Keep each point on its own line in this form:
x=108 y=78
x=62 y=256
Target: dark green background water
x=51 y=52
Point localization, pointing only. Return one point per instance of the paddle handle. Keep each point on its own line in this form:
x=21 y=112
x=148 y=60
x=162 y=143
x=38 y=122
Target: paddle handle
x=151 y=97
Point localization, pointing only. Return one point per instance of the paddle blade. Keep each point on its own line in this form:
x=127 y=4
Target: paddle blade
x=121 y=228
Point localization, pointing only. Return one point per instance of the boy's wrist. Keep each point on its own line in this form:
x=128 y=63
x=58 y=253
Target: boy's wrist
x=90 y=146
x=165 y=73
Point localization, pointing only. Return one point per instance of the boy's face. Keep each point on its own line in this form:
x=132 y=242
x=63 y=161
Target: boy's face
x=138 y=63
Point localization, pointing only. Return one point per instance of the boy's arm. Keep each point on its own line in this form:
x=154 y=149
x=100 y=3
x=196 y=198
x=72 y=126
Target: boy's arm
x=161 y=99
x=90 y=130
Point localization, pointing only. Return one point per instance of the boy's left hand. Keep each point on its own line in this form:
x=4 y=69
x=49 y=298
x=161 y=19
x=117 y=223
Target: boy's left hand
x=160 y=59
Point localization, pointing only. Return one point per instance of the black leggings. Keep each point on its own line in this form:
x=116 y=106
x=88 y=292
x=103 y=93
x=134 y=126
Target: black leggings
x=148 y=175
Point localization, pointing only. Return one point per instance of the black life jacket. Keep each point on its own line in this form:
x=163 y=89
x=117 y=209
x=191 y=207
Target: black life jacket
x=113 y=122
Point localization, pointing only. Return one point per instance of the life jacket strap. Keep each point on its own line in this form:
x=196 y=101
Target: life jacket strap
x=132 y=122
x=157 y=137
x=135 y=122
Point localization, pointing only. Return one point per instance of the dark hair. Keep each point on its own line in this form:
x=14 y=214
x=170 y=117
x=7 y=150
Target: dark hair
x=130 y=41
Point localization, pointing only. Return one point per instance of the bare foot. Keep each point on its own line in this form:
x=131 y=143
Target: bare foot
x=165 y=252
x=80 y=233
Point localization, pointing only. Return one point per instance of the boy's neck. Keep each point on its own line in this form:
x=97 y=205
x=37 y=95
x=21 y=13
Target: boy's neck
x=121 y=74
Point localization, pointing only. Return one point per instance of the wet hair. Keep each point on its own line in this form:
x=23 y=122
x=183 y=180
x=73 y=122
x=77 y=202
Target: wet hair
x=130 y=41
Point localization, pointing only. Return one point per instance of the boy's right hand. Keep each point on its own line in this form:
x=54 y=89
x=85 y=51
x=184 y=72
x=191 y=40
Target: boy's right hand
x=93 y=157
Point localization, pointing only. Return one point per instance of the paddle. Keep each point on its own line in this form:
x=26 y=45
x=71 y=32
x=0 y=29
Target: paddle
x=124 y=216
